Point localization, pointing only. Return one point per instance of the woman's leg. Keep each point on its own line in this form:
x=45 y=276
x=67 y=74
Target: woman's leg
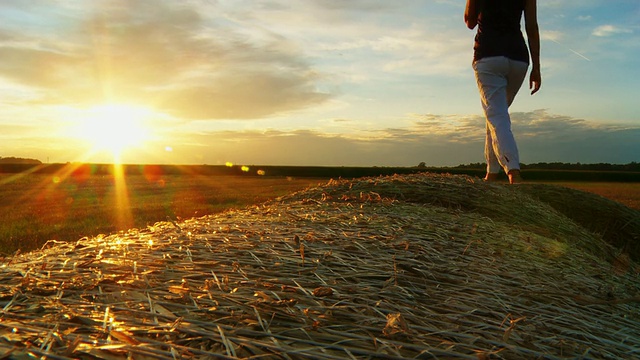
x=497 y=79
x=493 y=165
x=515 y=78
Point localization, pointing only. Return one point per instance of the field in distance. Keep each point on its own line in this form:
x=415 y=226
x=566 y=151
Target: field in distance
x=36 y=207
x=624 y=193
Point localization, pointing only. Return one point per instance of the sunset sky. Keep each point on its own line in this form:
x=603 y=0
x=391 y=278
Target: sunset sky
x=303 y=82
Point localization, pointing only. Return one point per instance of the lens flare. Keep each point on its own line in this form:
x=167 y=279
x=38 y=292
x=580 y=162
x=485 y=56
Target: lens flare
x=114 y=128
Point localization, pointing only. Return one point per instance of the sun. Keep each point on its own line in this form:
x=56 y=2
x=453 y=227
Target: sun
x=114 y=128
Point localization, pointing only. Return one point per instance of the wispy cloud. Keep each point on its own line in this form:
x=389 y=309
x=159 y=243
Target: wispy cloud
x=334 y=78
x=210 y=60
x=610 y=30
x=438 y=140
x=162 y=54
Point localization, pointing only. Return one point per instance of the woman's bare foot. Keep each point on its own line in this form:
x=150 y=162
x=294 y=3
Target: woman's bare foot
x=490 y=177
x=515 y=177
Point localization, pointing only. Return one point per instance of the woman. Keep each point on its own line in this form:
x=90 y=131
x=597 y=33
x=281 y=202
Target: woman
x=500 y=62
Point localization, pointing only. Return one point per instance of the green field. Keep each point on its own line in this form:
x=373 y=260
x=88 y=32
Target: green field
x=38 y=207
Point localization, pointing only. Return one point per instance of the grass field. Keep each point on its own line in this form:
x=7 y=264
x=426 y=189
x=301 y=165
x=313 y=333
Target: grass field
x=624 y=193
x=36 y=208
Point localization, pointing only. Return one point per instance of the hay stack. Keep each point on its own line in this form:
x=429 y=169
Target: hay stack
x=417 y=266
x=617 y=224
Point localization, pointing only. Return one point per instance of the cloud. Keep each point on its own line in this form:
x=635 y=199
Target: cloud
x=355 y=5
x=552 y=35
x=610 y=30
x=393 y=37
x=165 y=55
x=217 y=60
x=304 y=147
x=438 y=140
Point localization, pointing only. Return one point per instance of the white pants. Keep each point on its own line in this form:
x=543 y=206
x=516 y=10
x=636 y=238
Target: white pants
x=499 y=79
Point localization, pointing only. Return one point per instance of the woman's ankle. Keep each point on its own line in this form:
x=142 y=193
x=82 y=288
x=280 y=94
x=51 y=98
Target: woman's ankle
x=491 y=177
x=514 y=176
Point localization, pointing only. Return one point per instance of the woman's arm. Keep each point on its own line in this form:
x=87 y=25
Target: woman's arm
x=533 y=34
x=471 y=14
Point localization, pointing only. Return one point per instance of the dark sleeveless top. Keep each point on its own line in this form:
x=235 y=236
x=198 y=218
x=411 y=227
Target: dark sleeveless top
x=499 y=30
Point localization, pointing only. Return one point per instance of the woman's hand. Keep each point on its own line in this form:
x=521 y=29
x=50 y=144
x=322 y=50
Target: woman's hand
x=535 y=80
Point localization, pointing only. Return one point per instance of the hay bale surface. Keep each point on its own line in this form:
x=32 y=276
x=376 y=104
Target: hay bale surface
x=617 y=224
x=416 y=266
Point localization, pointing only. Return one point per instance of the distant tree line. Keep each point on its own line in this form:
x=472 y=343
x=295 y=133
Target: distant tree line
x=17 y=160
x=632 y=166
x=534 y=172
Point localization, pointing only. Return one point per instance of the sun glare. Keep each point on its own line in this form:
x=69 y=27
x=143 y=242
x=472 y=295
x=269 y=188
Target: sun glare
x=114 y=128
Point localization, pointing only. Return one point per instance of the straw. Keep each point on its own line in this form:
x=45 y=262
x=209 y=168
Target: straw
x=415 y=266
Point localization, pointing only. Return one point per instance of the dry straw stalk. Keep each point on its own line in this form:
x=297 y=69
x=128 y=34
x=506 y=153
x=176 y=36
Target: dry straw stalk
x=417 y=266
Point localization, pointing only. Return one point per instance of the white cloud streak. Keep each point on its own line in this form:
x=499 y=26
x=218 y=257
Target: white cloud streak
x=610 y=30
